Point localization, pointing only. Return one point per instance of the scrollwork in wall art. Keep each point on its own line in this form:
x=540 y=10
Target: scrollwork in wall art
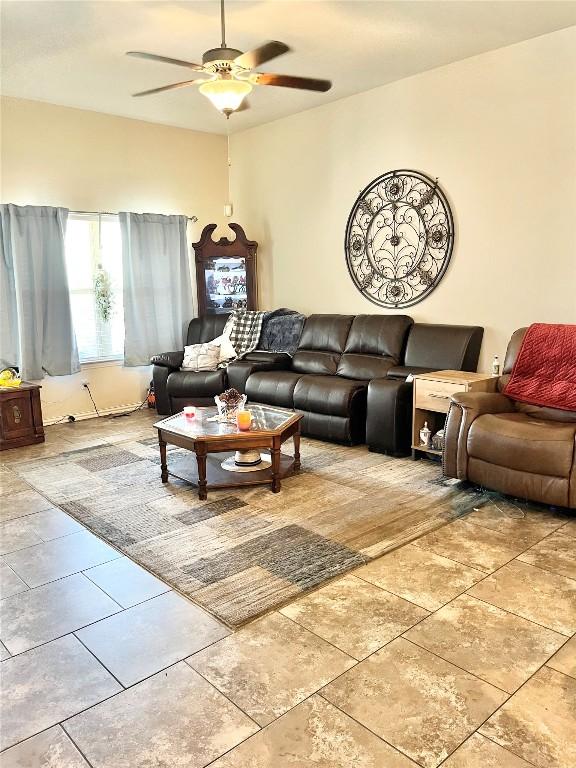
x=399 y=238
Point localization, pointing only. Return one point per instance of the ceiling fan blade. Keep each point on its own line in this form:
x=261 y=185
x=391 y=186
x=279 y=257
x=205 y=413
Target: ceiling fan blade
x=264 y=53
x=289 y=81
x=184 y=84
x=165 y=59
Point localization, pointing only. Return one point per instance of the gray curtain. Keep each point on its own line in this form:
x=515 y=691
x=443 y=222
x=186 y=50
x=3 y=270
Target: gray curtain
x=157 y=290
x=36 y=331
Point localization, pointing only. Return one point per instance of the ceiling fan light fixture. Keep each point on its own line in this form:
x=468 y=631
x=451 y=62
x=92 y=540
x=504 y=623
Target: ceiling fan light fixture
x=226 y=95
x=231 y=72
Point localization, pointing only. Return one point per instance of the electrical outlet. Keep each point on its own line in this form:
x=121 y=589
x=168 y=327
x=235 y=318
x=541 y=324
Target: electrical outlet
x=85 y=382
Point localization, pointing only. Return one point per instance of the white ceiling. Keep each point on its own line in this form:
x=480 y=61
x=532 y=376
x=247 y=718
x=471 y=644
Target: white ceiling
x=71 y=52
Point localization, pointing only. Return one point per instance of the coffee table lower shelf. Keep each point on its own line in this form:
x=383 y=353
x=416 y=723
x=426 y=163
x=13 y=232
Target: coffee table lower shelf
x=186 y=468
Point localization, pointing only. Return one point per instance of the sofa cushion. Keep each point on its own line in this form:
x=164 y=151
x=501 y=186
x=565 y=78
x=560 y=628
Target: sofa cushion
x=327 y=333
x=272 y=387
x=331 y=395
x=205 y=328
x=382 y=335
x=364 y=367
x=544 y=412
x=194 y=384
x=319 y=363
x=276 y=359
x=322 y=342
x=444 y=347
x=374 y=344
x=239 y=371
x=516 y=441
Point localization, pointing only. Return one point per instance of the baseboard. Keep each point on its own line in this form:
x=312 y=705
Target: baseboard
x=92 y=414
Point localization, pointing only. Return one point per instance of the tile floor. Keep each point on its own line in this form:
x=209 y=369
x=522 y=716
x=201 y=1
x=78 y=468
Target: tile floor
x=455 y=650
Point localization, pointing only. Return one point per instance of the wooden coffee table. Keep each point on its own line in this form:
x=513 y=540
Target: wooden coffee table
x=209 y=439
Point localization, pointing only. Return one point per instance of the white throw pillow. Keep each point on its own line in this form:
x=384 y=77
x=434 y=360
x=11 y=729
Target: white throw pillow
x=209 y=355
x=227 y=351
x=201 y=357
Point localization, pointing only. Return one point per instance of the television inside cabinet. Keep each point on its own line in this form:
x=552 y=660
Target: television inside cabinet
x=225 y=271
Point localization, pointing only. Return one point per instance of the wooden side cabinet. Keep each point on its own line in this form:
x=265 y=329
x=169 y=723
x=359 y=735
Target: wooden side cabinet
x=20 y=416
x=432 y=393
x=225 y=271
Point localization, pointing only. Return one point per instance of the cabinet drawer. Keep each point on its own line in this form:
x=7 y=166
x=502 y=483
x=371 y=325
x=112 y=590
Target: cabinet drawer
x=435 y=395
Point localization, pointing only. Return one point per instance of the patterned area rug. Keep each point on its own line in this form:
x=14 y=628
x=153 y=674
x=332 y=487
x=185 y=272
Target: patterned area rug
x=246 y=551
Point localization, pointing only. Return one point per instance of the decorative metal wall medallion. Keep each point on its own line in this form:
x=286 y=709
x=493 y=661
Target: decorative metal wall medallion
x=399 y=238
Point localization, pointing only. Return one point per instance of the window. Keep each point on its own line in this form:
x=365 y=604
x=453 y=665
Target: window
x=94 y=266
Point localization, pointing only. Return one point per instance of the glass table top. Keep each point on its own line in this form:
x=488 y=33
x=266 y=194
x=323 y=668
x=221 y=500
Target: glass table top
x=265 y=418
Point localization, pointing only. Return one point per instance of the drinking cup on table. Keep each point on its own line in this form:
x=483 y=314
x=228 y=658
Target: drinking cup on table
x=189 y=411
x=244 y=420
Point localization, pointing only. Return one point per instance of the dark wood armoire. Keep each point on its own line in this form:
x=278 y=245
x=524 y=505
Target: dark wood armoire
x=225 y=271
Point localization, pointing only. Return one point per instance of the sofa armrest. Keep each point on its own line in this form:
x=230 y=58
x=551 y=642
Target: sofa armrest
x=483 y=402
x=465 y=408
x=403 y=371
x=275 y=361
x=389 y=416
x=172 y=360
x=160 y=379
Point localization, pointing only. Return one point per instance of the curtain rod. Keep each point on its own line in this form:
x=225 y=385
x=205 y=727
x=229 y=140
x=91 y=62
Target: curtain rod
x=110 y=213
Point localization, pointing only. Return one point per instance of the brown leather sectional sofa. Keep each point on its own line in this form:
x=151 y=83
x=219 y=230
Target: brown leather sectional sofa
x=523 y=450
x=347 y=377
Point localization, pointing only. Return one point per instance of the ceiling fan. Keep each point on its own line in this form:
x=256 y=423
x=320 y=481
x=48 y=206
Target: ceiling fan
x=228 y=74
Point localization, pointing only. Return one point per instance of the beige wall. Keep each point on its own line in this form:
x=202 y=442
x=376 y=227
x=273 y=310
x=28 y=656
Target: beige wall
x=90 y=161
x=499 y=130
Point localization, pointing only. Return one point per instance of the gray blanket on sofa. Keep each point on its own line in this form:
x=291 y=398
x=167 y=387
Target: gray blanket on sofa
x=281 y=331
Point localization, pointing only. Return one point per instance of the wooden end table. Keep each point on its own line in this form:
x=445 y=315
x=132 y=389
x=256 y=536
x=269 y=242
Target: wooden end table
x=206 y=438
x=20 y=416
x=432 y=393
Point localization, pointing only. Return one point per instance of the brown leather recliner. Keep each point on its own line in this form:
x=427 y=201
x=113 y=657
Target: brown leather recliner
x=502 y=444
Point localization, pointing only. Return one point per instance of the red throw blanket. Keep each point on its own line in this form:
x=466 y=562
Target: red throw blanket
x=545 y=369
